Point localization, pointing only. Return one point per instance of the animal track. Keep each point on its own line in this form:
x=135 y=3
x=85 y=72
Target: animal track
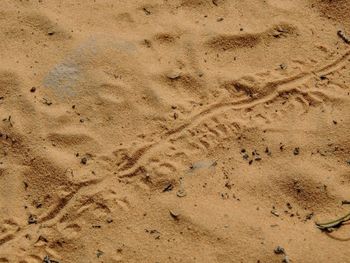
x=269 y=91
x=165 y=100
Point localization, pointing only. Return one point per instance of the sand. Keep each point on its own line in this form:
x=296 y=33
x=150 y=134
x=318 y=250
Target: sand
x=174 y=130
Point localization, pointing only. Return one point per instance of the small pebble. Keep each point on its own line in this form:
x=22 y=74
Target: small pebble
x=283 y=66
x=279 y=250
x=258 y=158
x=32 y=219
x=173 y=75
x=47 y=259
x=174 y=214
x=275 y=213
x=296 y=151
x=83 y=160
x=181 y=193
x=168 y=188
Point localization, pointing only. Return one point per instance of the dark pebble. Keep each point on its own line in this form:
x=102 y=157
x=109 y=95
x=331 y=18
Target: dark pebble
x=296 y=151
x=83 y=160
x=32 y=220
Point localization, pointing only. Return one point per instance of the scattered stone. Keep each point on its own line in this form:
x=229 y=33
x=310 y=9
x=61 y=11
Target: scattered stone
x=267 y=151
x=289 y=206
x=245 y=156
x=47 y=102
x=275 y=213
x=258 y=158
x=181 y=193
x=174 y=74
x=83 y=160
x=228 y=185
x=147 y=43
x=220 y=19
x=309 y=216
x=281 y=147
x=225 y=196
x=48 y=260
x=51 y=32
x=296 y=151
x=33 y=89
x=168 y=188
x=154 y=233
x=99 y=253
x=279 y=250
x=283 y=66
x=174 y=214
x=32 y=219
x=8 y=119
x=345 y=202
x=147 y=12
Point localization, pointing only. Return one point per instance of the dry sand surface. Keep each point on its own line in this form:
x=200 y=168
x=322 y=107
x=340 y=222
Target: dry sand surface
x=174 y=130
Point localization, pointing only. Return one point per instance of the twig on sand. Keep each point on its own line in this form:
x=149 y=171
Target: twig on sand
x=329 y=226
x=343 y=36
